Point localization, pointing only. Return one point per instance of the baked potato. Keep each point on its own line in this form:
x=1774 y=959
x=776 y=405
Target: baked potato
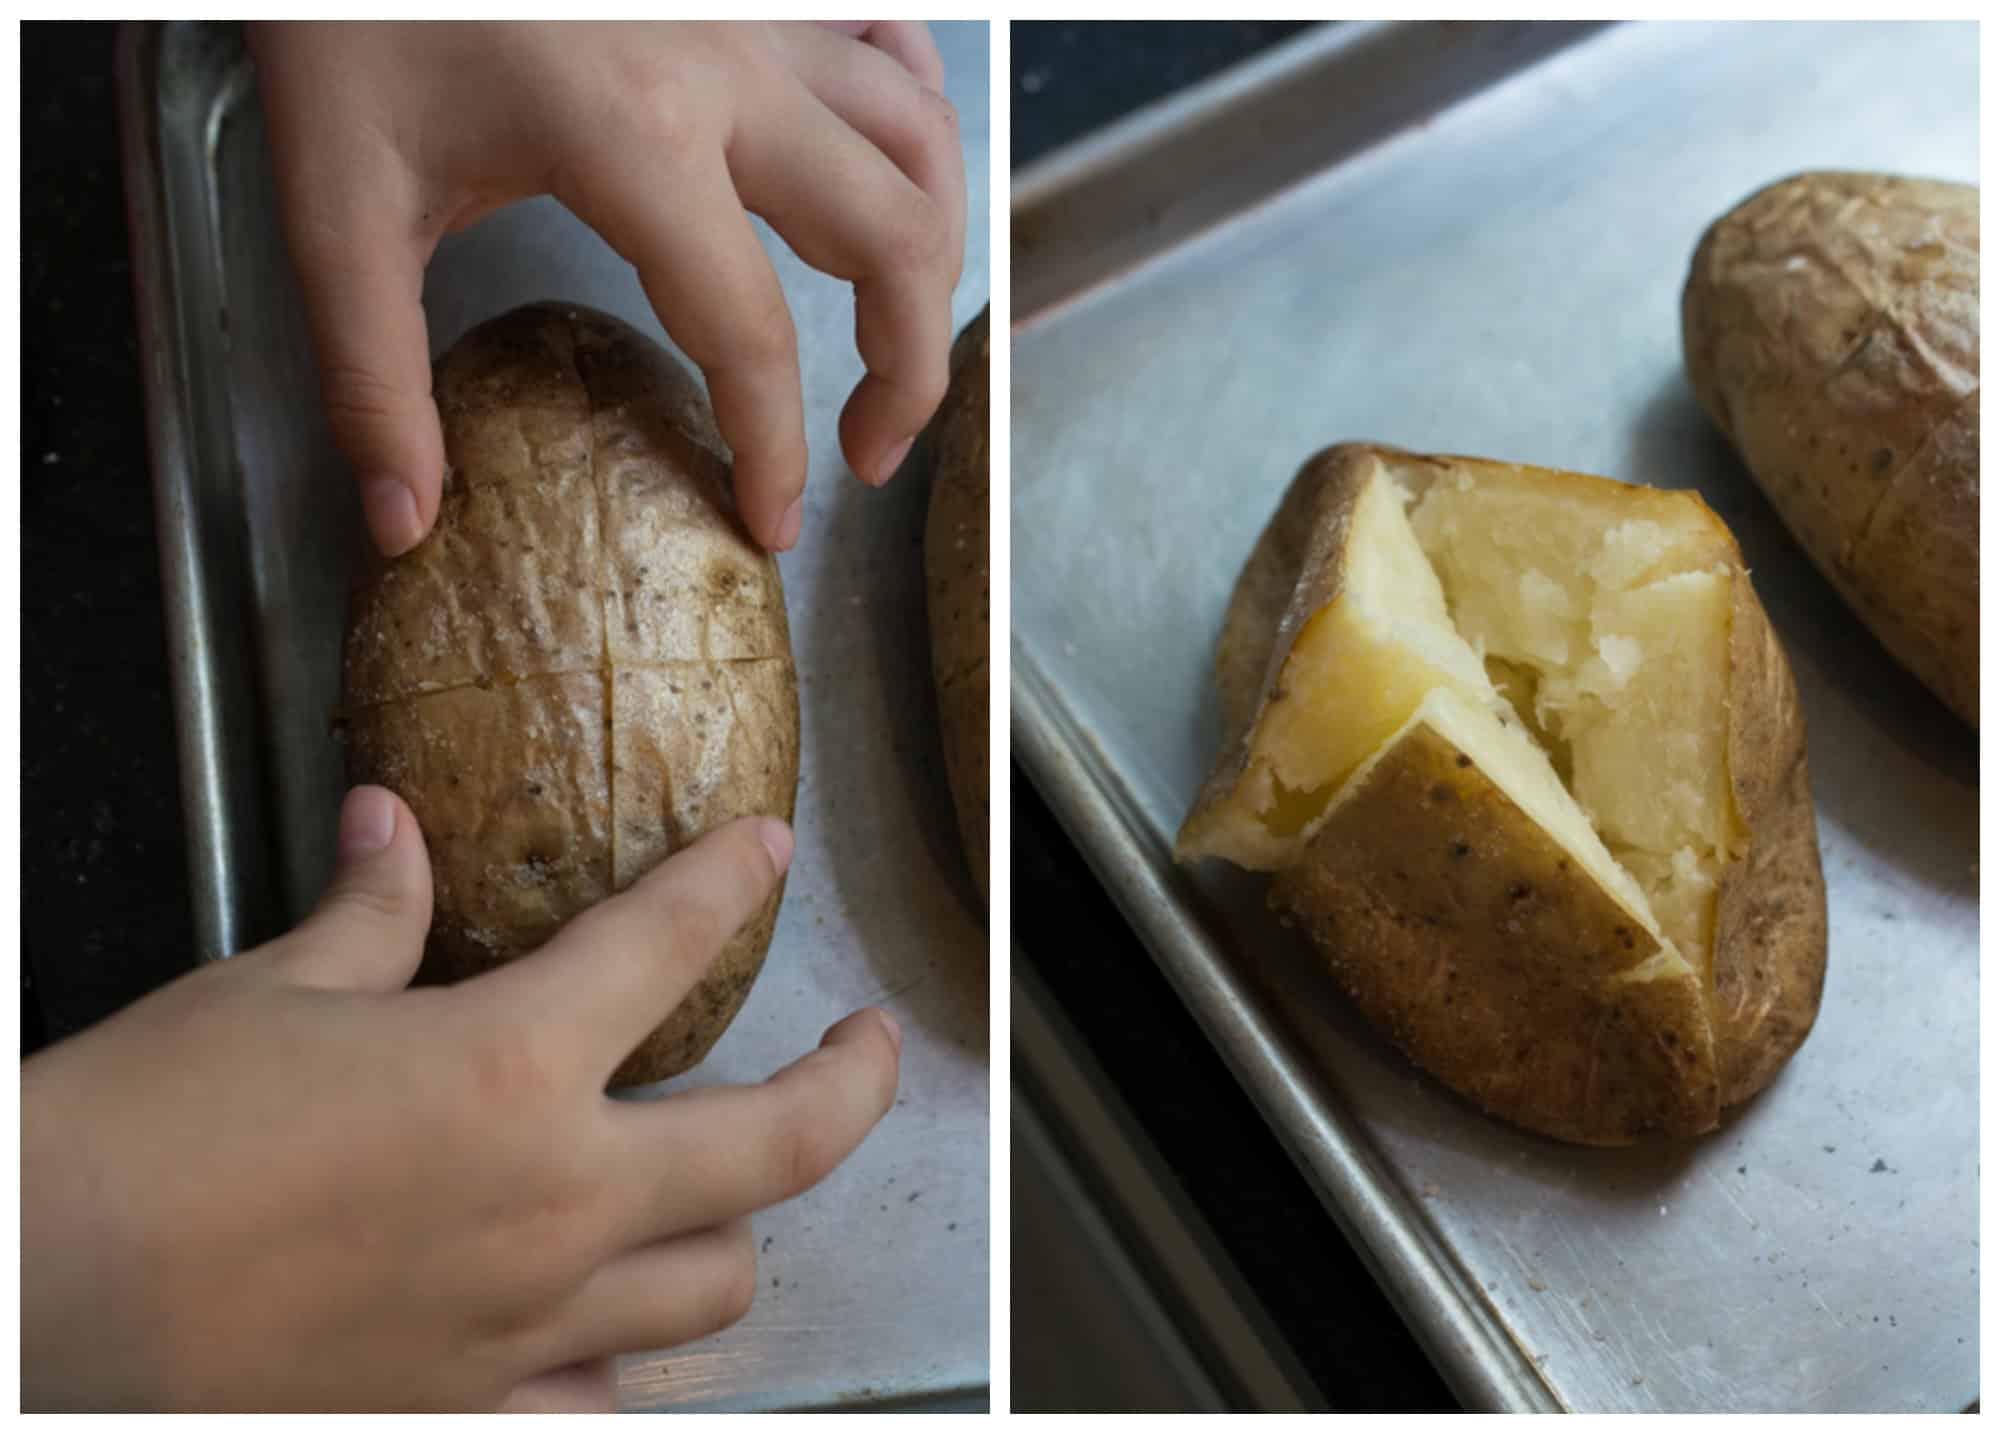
x=1830 y=325
x=586 y=665
x=957 y=584
x=1525 y=759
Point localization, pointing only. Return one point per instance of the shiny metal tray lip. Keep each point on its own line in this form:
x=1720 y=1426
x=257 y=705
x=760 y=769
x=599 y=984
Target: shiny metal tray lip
x=1463 y=1331
x=201 y=566
x=177 y=85
x=1442 y=1304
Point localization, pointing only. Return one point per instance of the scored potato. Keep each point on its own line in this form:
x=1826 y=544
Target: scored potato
x=1526 y=759
x=957 y=584
x=586 y=665
x=1830 y=327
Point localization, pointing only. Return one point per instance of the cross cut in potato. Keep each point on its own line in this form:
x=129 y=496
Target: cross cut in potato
x=586 y=665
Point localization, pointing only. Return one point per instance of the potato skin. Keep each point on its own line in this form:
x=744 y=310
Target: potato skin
x=957 y=584
x=1830 y=327
x=510 y=787
x=586 y=665
x=1769 y=959
x=1452 y=920
x=1457 y=926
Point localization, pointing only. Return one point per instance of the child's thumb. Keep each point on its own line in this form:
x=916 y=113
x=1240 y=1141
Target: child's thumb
x=367 y=933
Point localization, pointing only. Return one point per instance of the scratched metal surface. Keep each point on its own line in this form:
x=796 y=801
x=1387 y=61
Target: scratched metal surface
x=1504 y=279
x=873 y=1288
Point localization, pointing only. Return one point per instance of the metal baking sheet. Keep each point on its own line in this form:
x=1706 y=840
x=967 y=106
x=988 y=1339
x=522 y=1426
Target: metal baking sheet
x=873 y=1288
x=1496 y=270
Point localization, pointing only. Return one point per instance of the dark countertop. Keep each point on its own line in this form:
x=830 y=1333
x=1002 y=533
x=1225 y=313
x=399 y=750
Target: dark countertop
x=105 y=913
x=1070 y=78
x=104 y=908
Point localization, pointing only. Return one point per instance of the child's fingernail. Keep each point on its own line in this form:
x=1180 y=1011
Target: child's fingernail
x=777 y=839
x=788 y=526
x=392 y=515
x=895 y=1031
x=886 y=469
x=367 y=821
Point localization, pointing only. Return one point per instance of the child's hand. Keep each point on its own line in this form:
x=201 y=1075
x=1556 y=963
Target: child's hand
x=386 y=137
x=285 y=1181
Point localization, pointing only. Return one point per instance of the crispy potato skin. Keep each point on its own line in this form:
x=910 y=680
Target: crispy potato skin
x=1769 y=961
x=696 y=745
x=1830 y=327
x=1454 y=922
x=957 y=584
x=586 y=665
x=509 y=785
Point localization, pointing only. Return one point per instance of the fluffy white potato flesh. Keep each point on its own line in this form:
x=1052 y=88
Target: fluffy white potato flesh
x=1619 y=627
x=1578 y=653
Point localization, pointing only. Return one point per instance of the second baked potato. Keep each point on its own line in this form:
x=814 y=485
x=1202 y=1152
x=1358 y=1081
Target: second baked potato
x=1526 y=760
x=1831 y=329
x=958 y=584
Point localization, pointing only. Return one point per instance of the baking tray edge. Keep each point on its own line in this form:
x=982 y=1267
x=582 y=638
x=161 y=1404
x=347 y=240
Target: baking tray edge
x=202 y=563
x=1442 y=1305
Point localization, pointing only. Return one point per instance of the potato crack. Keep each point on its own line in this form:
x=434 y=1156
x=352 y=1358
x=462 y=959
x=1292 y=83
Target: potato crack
x=1570 y=638
x=488 y=684
x=1864 y=531
x=1581 y=669
x=606 y=672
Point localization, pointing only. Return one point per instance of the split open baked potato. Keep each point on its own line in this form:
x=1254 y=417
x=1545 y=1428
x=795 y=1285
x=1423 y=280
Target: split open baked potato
x=1524 y=757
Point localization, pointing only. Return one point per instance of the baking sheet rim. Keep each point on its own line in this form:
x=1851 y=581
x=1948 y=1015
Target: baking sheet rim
x=1460 y=1330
